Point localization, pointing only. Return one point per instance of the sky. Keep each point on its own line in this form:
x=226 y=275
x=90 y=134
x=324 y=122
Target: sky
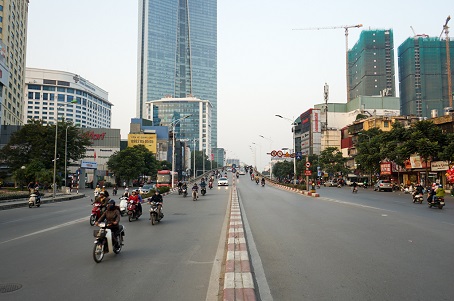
x=264 y=67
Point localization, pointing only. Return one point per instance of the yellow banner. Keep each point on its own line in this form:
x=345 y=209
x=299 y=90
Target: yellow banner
x=149 y=140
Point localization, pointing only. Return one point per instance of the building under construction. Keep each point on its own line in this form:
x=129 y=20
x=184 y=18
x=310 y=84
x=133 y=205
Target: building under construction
x=371 y=65
x=423 y=79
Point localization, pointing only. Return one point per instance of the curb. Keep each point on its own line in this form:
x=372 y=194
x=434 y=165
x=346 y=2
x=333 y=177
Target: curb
x=24 y=203
x=303 y=192
x=238 y=280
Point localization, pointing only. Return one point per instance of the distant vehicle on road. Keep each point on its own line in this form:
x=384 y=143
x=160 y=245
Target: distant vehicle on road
x=146 y=188
x=383 y=185
x=330 y=183
x=223 y=182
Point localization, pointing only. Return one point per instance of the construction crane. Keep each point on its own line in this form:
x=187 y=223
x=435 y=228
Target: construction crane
x=346 y=27
x=421 y=35
x=448 y=59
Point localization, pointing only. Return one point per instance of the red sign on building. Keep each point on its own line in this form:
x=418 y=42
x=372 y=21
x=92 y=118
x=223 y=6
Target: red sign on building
x=385 y=168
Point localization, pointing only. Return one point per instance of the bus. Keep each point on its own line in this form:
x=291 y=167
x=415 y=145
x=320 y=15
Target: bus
x=164 y=178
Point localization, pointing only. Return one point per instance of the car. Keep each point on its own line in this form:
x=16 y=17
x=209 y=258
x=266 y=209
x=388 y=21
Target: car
x=330 y=183
x=146 y=188
x=223 y=182
x=383 y=185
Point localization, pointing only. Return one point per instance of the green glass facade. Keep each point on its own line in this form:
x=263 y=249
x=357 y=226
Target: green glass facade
x=371 y=64
x=423 y=76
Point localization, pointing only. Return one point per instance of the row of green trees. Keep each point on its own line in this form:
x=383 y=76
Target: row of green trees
x=29 y=154
x=374 y=146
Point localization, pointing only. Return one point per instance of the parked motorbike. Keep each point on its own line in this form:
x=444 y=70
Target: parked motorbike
x=155 y=215
x=95 y=213
x=123 y=205
x=133 y=211
x=185 y=192
x=104 y=243
x=34 y=200
x=418 y=197
x=203 y=190
x=437 y=202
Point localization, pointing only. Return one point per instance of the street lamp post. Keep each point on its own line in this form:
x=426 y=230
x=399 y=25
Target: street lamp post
x=269 y=139
x=294 y=149
x=54 y=188
x=194 y=140
x=173 y=123
x=260 y=154
x=66 y=152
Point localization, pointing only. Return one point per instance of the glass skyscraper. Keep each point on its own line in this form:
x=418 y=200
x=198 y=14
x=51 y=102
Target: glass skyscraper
x=177 y=53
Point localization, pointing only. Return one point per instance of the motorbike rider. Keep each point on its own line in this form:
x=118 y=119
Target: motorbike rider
x=115 y=189
x=157 y=197
x=203 y=184
x=418 y=190
x=432 y=193
x=196 y=189
x=126 y=194
x=355 y=185
x=97 y=191
x=263 y=181
x=112 y=216
x=135 y=199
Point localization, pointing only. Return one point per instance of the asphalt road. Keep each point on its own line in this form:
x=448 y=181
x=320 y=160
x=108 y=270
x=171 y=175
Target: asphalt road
x=341 y=246
x=47 y=251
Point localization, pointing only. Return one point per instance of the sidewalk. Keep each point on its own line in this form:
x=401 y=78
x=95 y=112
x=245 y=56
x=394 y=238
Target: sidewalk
x=23 y=202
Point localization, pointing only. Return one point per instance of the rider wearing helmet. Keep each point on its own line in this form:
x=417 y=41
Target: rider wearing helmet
x=157 y=197
x=439 y=192
x=112 y=217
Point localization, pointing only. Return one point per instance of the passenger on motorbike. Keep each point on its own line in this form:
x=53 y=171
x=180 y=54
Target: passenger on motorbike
x=440 y=192
x=112 y=216
x=103 y=199
x=431 y=195
x=105 y=190
x=97 y=191
x=157 y=197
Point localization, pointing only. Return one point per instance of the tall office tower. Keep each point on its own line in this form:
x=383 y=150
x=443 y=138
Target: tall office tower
x=423 y=82
x=371 y=64
x=13 y=43
x=177 y=53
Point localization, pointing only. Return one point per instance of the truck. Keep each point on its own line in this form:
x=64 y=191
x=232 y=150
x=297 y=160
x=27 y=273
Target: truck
x=164 y=178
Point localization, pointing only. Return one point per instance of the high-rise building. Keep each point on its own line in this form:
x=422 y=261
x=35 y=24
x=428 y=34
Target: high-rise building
x=371 y=65
x=13 y=44
x=51 y=94
x=177 y=53
x=423 y=83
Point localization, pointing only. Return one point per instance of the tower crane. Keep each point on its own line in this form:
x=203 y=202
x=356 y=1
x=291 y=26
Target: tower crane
x=345 y=27
x=448 y=59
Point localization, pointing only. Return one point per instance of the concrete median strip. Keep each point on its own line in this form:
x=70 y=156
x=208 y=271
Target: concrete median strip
x=238 y=280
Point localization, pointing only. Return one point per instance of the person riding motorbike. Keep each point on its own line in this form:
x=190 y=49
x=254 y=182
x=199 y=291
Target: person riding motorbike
x=97 y=191
x=355 y=186
x=431 y=194
x=257 y=178
x=115 y=189
x=126 y=194
x=263 y=181
x=105 y=190
x=157 y=197
x=103 y=199
x=180 y=185
x=135 y=199
x=112 y=216
x=196 y=189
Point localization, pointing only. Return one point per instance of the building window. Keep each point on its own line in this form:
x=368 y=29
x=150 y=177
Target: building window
x=48 y=88
x=386 y=124
x=33 y=87
x=30 y=95
x=37 y=94
x=61 y=89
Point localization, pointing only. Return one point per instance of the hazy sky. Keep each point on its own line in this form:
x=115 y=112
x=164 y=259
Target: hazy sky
x=264 y=67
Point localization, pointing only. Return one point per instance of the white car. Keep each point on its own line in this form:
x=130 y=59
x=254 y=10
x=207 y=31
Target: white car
x=223 y=182
x=146 y=188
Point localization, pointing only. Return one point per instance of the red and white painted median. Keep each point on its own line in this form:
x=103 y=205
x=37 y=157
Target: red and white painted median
x=238 y=281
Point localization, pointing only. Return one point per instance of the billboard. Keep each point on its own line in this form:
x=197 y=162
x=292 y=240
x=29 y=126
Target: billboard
x=149 y=140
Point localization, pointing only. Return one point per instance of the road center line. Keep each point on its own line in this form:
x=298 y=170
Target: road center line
x=46 y=230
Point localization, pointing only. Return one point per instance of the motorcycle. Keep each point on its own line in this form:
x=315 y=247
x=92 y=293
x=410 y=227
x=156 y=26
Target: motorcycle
x=103 y=242
x=133 y=211
x=355 y=189
x=418 y=197
x=95 y=213
x=194 y=195
x=185 y=192
x=123 y=205
x=34 y=200
x=257 y=181
x=437 y=202
x=155 y=215
x=203 y=190
x=210 y=184
x=180 y=190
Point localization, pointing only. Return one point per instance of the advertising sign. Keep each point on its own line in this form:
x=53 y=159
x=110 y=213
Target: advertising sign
x=149 y=140
x=415 y=161
x=89 y=165
x=385 y=168
x=439 y=165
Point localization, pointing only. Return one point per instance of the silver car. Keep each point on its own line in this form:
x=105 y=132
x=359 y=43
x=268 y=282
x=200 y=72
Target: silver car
x=223 y=182
x=383 y=185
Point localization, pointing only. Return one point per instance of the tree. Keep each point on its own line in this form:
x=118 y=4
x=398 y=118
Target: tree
x=35 y=142
x=132 y=162
x=369 y=150
x=283 y=169
x=332 y=161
